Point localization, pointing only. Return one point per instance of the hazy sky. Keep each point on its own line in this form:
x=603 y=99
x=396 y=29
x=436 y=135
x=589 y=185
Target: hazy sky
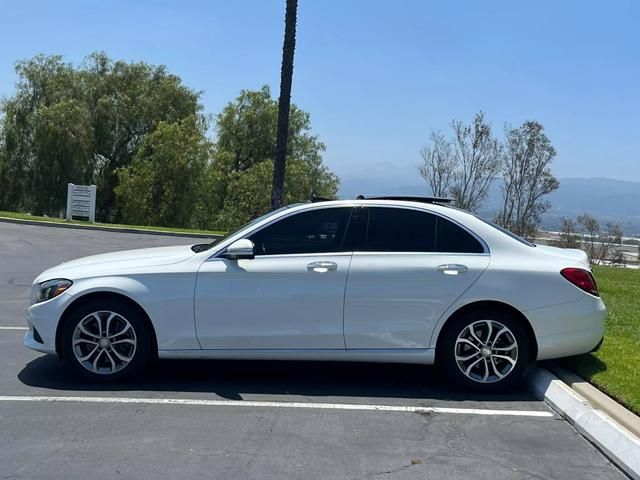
x=377 y=76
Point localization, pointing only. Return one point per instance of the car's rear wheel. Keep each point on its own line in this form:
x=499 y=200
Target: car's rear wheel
x=487 y=349
x=106 y=340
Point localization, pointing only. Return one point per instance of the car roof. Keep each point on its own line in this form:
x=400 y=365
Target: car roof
x=380 y=201
x=408 y=198
x=461 y=216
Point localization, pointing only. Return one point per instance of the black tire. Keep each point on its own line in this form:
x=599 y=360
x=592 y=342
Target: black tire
x=140 y=353
x=447 y=348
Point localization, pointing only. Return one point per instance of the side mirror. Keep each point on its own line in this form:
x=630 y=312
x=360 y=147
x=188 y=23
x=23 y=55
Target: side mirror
x=240 y=249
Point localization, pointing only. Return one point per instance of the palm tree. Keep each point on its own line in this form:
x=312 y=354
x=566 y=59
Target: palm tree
x=284 y=103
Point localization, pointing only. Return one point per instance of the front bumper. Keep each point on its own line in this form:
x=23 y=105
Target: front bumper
x=33 y=344
x=43 y=318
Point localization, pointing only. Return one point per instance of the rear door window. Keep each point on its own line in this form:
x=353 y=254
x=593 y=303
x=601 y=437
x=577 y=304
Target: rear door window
x=400 y=230
x=390 y=229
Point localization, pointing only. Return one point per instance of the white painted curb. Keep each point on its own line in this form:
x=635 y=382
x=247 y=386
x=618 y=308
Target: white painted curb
x=620 y=445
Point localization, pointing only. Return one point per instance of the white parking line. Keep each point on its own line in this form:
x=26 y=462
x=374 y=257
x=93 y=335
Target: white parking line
x=14 y=328
x=250 y=403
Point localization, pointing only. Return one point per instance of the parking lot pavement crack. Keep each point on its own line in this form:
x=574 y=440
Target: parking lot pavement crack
x=387 y=472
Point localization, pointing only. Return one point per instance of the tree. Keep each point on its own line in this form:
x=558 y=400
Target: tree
x=286 y=78
x=46 y=138
x=246 y=128
x=617 y=258
x=477 y=155
x=164 y=181
x=609 y=239
x=438 y=164
x=81 y=124
x=569 y=237
x=128 y=101
x=238 y=178
x=465 y=167
x=591 y=228
x=3 y=162
x=137 y=133
x=248 y=192
x=526 y=178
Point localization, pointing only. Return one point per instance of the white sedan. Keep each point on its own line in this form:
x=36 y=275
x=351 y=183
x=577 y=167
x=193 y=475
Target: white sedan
x=393 y=279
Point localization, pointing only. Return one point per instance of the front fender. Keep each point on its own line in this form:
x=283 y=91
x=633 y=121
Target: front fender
x=166 y=299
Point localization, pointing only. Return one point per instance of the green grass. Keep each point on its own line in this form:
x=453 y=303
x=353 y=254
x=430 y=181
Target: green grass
x=26 y=216
x=615 y=368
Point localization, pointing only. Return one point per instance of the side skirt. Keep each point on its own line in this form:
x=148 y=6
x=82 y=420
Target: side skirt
x=409 y=355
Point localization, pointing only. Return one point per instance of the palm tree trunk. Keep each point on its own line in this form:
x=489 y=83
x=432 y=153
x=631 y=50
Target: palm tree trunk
x=284 y=103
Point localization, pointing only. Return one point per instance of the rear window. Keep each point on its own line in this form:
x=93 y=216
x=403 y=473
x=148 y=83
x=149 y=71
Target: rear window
x=507 y=232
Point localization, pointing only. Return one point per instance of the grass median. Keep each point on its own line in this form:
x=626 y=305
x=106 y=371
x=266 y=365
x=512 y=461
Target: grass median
x=25 y=216
x=615 y=368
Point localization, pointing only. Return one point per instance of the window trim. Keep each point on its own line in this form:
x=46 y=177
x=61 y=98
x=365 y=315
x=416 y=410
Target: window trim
x=291 y=214
x=485 y=246
x=294 y=255
x=353 y=207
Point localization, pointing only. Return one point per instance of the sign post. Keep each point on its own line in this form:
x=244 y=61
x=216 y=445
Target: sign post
x=81 y=201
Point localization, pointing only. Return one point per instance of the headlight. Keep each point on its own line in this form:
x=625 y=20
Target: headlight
x=52 y=288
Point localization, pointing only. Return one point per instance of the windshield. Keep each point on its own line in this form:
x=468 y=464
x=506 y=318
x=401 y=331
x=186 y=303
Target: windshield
x=201 y=247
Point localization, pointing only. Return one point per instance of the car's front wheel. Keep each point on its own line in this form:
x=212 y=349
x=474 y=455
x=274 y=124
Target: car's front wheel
x=486 y=349
x=106 y=340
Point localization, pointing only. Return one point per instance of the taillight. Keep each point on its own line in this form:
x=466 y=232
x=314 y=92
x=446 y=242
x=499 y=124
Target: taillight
x=581 y=278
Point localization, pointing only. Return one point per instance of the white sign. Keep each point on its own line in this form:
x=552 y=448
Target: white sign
x=81 y=201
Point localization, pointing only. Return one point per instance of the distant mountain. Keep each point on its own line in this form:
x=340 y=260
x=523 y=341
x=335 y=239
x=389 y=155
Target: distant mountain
x=608 y=200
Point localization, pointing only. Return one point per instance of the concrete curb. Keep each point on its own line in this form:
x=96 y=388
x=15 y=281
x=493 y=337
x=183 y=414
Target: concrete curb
x=598 y=399
x=618 y=443
x=41 y=223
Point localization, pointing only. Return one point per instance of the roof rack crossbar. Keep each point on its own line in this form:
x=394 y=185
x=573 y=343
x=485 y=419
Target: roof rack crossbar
x=406 y=198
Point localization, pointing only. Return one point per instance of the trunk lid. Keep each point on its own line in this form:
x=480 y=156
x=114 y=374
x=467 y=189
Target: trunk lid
x=573 y=254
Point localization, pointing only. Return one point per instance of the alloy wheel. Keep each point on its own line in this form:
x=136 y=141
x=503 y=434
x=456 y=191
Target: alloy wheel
x=486 y=351
x=104 y=342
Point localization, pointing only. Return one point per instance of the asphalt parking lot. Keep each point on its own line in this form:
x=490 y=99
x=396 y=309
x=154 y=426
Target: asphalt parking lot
x=254 y=420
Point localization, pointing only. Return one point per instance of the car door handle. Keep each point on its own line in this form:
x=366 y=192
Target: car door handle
x=452 y=269
x=322 y=266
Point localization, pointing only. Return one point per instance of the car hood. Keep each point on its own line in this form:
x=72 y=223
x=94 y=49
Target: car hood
x=573 y=254
x=125 y=261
